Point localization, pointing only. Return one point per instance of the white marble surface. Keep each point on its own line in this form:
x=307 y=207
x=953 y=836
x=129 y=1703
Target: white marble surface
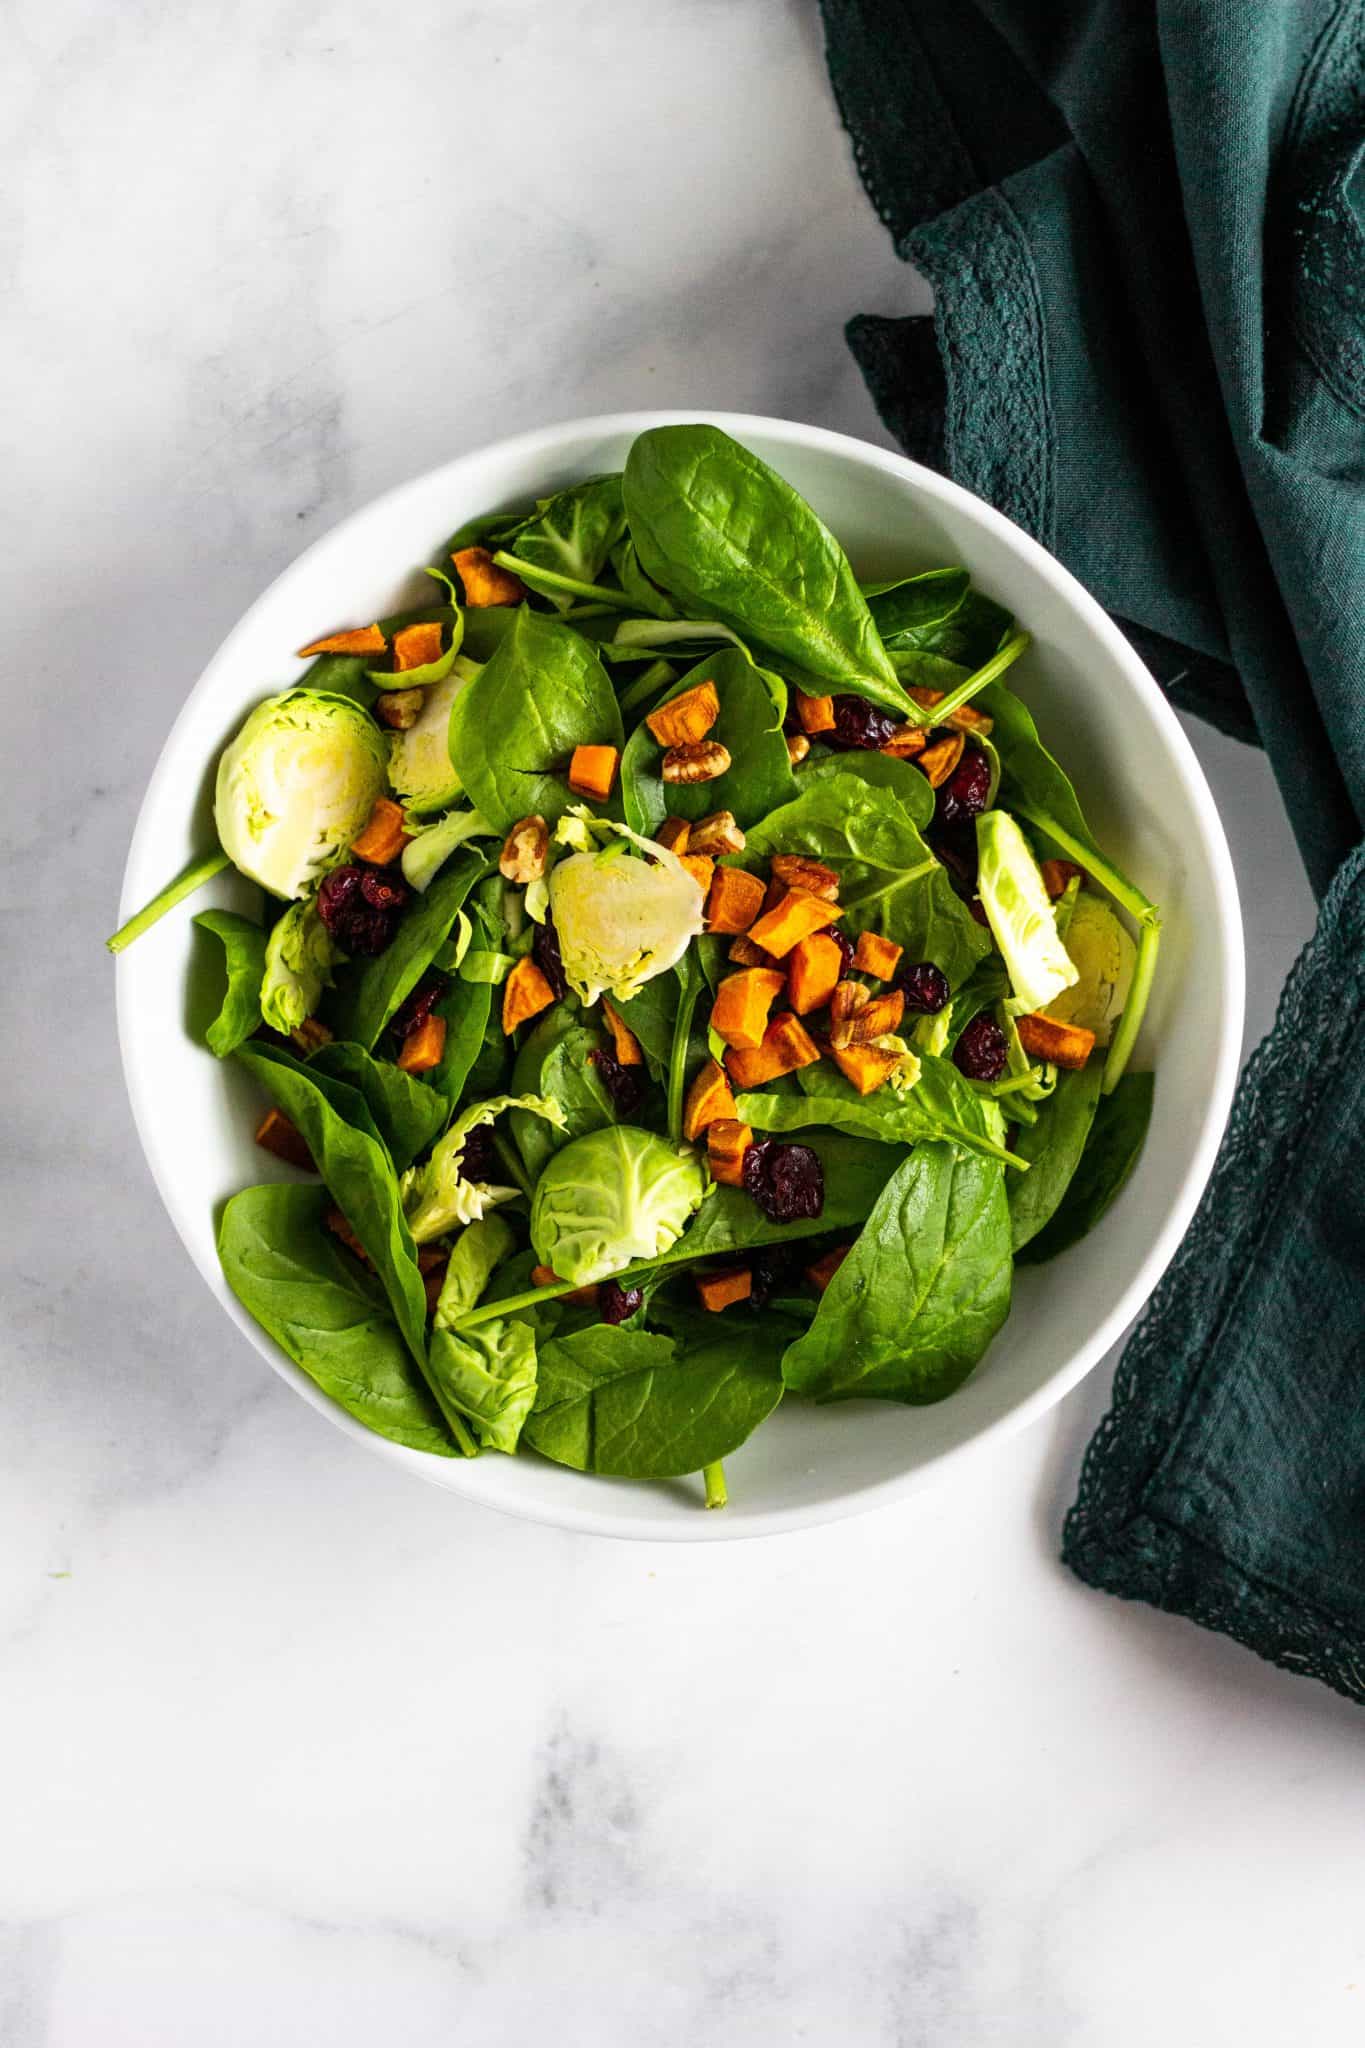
x=293 y=1751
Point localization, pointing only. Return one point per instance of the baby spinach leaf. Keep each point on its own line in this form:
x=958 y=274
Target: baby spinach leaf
x=326 y=1312
x=341 y=1135
x=729 y=1221
x=726 y=535
x=651 y=1016
x=542 y=693
x=889 y=881
x=407 y=1114
x=925 y=1288
x=1052 y=1144
x=1111 y=1152
x=916 y=603
x=555 y=1061
x=573 y=533
x=244 y=948
x=478 y=1251
x=369 y=991
x=485 y=629
x=643 y=592
x=967 y=636
x=940 y=1105
x=488 y=1375
x=759 y=777
x=466 y=1008
x=880 y=771
x=651 y=1407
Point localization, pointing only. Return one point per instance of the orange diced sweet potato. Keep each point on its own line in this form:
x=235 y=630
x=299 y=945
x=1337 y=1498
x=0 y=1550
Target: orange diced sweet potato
x=879 y=1015
x=384 y=835
x=432 y=1262
x=734 y=901
x=743 y=1000
x=276 y=1134
x=786 y=1046
x=685 y=718
x=823 y=1270
x=938 y=761
x=627 y=1045
x=525 y=993
x=339 y=1227
x=424 y=1047
x=906 y=742
x=1057 y=875
x=813 y=969
x=727 y=1141
x=866 y=1066
x=415 y=646
x=360 y=640
x=580 y=1297
x=966 y=718
x=876 y=956
x=592 y=772
x=486 y=581
x=709 y=1100
x=1065 y=1045
x=793 y=919
x=674 y=834
x=718 y=1290
x=799 y=871
x=702 y=869
x=816 y=714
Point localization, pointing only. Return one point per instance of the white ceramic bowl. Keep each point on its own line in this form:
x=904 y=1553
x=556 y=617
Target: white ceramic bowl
x=1145 y=797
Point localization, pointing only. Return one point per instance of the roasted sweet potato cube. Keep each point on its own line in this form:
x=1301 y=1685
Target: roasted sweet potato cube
x=815 y=714
x=340 y=1228
x=866 y=1066
x=879 y=1015
x=743 y=1000
x=486 y=581
x=786 y=1046
x=360 y=640
x=674 y=834
x=727 y=1141
x=800 y=871
x=709 y=1099
x=625 y=1044
x=424 y=1047
x=745 y=953
x=813 y=969
x=906 y=742
x=431 y=1264
x=793 y=919
x=734 y=901
x=823 y=1270
x=876 y=956
x=938 y=761
x=702 y=869
x=276 y=1134
x=580 y=1297
x=719 y=1290
x=415 y=646
x=966 y=718
x=384 y=834
x=685 y=718
x=1065 y=1045
x=592 y=772
x=1057 y=876
x=525 y=993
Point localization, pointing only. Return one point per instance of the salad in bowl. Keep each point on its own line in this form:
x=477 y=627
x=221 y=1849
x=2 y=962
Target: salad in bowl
x=684 y=981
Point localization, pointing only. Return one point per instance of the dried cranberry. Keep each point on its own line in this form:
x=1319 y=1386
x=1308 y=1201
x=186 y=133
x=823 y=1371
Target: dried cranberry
x=845 y=945
x=786 y=1181
x=358 y=924
x=955 y=846
x=412 y=1014
x=924 y=986
x=478 y=1159
x=981 y=1053
x=966 y=790
x=859 y=725
x=617 y=1304
x=625 y=1085
x=772 y=1271
x=545 y=953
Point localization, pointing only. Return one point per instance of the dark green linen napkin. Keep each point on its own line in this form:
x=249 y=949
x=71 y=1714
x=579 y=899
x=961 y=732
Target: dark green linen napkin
x=1145 y=230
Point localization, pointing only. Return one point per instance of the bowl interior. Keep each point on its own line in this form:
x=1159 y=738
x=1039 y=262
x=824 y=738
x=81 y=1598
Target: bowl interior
x=1146 y=800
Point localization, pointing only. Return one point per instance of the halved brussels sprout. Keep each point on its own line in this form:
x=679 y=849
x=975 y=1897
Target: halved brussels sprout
x=1021 y=917
x=295 y=787
x=1104 y=956
x=611 y=1197
x=419 y=759
x=299 y=957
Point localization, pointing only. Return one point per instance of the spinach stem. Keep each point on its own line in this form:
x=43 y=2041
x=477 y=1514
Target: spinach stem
x=714 y=1475
x=647 y=684
x=1120 y=888
x=677 y=1061
x=190 y=878
x=594 y=593
x=1130 y=1023
x=1003 y=658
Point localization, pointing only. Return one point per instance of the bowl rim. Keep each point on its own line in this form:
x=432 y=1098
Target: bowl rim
x=475 y=1479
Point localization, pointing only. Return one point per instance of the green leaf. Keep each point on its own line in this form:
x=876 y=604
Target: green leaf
x=542 y=693
x=1053 y=1144
x=1111 y=1152
x=488 y=1375
x=643 y=592
x=326 y=1312
x=940 y=1105
x=369 y=991
x=726 y=535
x=651 y=1407
x=889 y=881
x=555 y=1061
x=244 y=949
x=407 y=1114
x=916 y=604
x=479 y=1250
x=759 y=777
x=880 y=771
x=574 y=532
x=927 y=1285
x=467 y=1010
x=729 y=1222
x=338 y=1130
